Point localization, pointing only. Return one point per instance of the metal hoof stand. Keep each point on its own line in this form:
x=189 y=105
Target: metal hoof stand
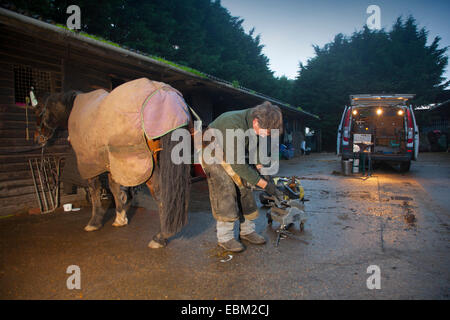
x=288 y=211
x=286 y=217
x=45 y=173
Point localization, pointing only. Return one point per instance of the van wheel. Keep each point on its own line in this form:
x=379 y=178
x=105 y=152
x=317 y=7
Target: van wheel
x=404 y=166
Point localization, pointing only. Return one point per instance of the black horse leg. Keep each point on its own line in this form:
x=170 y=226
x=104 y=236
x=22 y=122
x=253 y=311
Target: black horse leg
x=169 y=185
x=121 y=198
x=97 y=211
x=160 y=239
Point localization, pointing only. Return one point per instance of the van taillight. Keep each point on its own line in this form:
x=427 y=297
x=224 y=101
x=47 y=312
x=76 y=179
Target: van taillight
x=410 y=129
x=346 y=134
x=410 y=122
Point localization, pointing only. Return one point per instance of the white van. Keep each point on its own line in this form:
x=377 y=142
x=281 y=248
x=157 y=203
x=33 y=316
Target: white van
x=385 y=123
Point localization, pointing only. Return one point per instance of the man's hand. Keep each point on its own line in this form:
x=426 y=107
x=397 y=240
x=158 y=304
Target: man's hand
x=272 y=190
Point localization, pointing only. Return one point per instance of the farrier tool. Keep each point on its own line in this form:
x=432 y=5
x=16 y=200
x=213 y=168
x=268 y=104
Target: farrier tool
x=289 y=210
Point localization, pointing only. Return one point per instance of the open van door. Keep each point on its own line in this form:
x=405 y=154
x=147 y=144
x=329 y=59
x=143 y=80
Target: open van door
x=416 y=135
x=339 y=134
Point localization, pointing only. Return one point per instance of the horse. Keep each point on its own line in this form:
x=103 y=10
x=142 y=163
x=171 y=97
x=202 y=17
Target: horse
x=126 y=133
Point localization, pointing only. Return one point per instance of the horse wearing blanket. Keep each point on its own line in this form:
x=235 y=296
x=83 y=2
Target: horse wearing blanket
x=126 y=133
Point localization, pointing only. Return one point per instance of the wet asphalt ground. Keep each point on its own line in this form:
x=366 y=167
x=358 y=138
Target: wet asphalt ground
x=398 y=222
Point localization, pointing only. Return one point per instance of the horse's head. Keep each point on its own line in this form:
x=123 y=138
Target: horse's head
x=52 y=111
x=45 y=125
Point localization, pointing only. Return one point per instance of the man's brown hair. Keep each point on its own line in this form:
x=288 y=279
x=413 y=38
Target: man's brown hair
x=269 y=116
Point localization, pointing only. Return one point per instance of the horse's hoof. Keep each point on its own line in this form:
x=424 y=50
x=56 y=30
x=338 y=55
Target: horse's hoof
x=155 y=245
x=120 y=223
x=121 y=219
x=90 y=228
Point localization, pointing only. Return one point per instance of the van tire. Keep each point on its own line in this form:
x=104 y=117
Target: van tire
x=404 y=166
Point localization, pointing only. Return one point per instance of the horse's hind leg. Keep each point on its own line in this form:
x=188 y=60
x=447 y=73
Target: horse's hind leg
x=159 y=240
x=97 y=211
x=121 y=198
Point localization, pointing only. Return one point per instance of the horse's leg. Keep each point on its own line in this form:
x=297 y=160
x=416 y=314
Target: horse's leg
x=169 y=185
x=97 y=211
x=120 y=197
x=160 y=239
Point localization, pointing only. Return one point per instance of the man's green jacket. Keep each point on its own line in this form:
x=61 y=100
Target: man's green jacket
x=241 y=119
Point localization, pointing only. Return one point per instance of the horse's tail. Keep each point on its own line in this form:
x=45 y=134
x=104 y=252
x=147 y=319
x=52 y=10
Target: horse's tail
x=174 y=184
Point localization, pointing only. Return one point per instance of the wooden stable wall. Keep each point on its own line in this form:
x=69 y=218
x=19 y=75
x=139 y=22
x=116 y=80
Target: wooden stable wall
x=17 y=193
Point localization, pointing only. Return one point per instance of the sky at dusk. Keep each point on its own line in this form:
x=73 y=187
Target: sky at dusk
x=289 y=28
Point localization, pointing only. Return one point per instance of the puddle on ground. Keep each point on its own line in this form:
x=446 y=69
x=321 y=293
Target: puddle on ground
x=343 y=216
x=324 y=194
x=409 y=215
x=364 y=195
x=401 y=198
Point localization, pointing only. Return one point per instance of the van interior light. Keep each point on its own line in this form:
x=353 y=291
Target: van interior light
x=379 y=111
x=355 y=112
x=400 y=112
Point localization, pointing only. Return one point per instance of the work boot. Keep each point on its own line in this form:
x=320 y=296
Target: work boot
x=253 y=238
x=232 y=245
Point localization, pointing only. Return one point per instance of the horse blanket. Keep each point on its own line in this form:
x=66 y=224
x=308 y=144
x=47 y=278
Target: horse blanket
x=108 y=131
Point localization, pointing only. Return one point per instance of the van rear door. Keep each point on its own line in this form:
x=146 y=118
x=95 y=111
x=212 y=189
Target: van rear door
x=339 y=134
x=416 y=135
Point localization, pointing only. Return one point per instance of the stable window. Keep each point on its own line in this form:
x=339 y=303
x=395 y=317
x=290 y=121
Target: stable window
x=26 y=77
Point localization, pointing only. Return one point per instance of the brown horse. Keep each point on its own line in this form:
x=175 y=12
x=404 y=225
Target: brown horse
x=105 y=136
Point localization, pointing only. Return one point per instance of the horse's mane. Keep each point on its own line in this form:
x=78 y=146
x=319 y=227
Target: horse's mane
x=67 y=99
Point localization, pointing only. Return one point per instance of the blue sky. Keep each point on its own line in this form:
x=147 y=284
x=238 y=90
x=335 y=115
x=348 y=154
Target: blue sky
x=289 y=28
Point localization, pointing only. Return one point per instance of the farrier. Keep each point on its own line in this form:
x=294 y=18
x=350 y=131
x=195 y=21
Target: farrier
x=230 y=194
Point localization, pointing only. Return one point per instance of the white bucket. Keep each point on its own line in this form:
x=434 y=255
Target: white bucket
x=356 y=166
x=346 y=167
x=67 y=207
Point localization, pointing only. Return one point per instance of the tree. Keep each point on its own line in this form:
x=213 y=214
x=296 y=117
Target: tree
x=369 y=61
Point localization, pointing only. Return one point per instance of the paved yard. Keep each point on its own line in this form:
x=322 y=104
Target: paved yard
x=398 y=222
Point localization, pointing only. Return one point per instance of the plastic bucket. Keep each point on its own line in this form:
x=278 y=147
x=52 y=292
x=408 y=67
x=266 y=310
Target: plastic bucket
x=347 y=167
x=356 y=166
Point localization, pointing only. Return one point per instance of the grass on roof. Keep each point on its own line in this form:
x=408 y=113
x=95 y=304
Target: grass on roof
x=173 y=64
